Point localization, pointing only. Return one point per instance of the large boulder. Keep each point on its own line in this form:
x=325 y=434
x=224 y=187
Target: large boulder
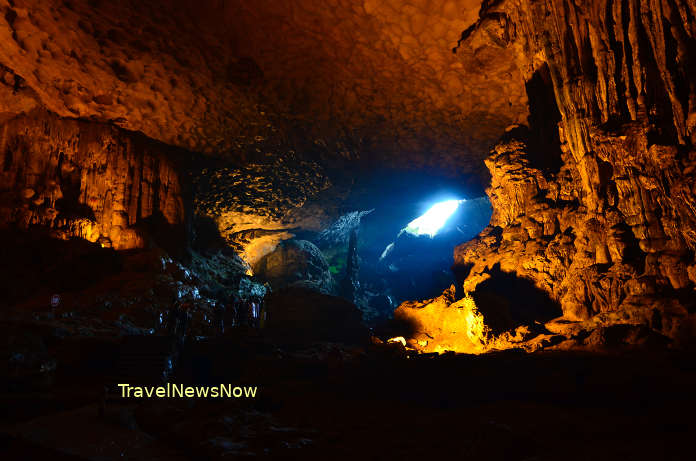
x=296 y=263
x=443 y=324
x=300 y=315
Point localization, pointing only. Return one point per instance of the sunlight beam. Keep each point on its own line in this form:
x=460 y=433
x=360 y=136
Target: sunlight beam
x=433 y=219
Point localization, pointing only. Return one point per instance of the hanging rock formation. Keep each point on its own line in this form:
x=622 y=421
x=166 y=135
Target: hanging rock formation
x=609 y=234
x=87 y=180
x=595 y=203
x=257 y=205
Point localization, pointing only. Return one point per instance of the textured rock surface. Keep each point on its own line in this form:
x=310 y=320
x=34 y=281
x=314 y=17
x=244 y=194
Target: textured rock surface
x=608 y=231
x=344 y=83
x=296 y=263
x=257 y=205
x=102 y=292
x=371 y=79
x=88 y=180
x=444 y=324
x=124 y=62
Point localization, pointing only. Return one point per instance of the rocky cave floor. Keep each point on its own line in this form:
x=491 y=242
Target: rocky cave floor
x=330 y=401
x=317 y=399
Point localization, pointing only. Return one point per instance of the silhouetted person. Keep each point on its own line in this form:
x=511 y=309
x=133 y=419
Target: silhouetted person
x=219 y=318
x=254 y=313
x=242 y=313
x=183 y=318
x=263 y=313
x=231 y=313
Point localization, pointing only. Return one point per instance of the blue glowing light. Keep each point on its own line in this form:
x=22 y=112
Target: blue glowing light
x=433 y=219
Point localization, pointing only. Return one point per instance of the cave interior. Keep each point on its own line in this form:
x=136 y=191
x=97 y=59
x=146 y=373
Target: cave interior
x=381 y=229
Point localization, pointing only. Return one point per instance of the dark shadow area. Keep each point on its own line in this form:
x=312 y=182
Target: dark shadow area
x=507 y=301
x=460 y=272
x=299 y=315
x=310 y=400
x=205 y=234
x=395 y=327
x=74 y=210
x=35 y=263
x=171 y=238
x=244 y=72
x=418 y=266
x=657 y=98
x=544 y=142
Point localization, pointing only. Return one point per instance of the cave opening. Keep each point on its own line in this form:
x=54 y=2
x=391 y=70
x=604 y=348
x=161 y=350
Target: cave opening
x=392 y=241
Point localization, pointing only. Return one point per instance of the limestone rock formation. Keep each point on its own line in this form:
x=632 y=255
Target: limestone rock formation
x=296 y=263
x=358 y=79
x=88 y=180
x=608 y=232
x=593 y=203
x=444 y=324
x=257 y=205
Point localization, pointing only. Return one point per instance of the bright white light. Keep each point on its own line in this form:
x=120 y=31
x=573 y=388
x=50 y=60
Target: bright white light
x=433 y=219
x=386 y=251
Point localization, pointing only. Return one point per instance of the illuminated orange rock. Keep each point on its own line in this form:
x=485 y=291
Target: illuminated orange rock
x=448 y=324
x=256 y=206
x=594 y=203
x=608 y=232
x=87 y=180
x=444 y=324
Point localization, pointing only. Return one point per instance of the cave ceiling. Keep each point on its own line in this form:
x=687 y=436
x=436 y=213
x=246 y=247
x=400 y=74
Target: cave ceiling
x=372 y=80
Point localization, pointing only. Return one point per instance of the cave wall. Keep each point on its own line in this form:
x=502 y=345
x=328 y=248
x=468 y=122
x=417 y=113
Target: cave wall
x=90 y=180
x=257 y=205
x=609 y=229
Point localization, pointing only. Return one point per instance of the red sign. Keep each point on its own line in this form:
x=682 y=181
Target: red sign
x=55 y=300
